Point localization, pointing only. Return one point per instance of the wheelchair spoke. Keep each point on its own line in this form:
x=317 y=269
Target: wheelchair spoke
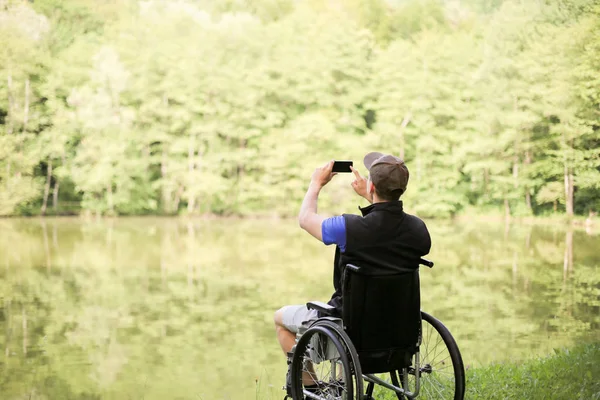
x=440 y=353
x=426 y=343
x=437 y=390
x=434 y=349
x=437 y=369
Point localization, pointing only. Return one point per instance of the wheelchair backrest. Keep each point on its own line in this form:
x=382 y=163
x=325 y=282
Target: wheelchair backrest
x=382 y=316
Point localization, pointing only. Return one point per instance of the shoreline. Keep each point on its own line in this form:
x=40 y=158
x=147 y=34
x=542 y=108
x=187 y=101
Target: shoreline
x=577 y=221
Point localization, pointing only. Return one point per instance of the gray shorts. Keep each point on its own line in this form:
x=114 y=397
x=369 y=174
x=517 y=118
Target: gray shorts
x=294 y=317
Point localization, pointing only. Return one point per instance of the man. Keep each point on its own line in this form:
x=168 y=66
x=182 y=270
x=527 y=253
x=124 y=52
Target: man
x=385 y=238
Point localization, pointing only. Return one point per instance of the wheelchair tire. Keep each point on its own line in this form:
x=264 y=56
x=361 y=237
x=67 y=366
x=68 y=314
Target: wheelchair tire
x=321 y=353
x=442 y=369
x=350 y=350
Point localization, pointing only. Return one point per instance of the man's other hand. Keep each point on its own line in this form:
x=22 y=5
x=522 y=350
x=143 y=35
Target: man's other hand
x=360 y=185
x=323 y=175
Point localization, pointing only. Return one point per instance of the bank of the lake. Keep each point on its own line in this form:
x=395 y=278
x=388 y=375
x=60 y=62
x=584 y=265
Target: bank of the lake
x=561 y=219
x=566 y=374
x=572 y=374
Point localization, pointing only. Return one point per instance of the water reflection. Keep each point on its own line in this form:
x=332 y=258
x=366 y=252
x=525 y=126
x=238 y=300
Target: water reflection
x=181 y=309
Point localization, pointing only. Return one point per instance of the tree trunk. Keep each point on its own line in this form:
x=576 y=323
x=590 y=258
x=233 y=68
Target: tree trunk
x=178 y=198
x=486 y=178
x=528 y=200
x=47 y=187
x=55 y=196
x=506 y=208
x=527 y=189
x=165 y=195
x=571 y=194
x=403 y=125
x=240 y=175
x=109 y=192
x=568 y=191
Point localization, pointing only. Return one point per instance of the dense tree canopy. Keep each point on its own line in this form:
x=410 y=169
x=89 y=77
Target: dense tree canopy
x=212 y=106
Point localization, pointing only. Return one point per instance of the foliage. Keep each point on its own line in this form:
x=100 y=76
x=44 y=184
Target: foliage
x=150 y=107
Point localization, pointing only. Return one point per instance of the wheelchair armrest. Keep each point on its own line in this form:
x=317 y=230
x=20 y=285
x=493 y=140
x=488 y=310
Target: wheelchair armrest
x=353 y=267
x=324 y=308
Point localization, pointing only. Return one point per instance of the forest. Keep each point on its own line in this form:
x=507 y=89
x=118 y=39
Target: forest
x=225 y=107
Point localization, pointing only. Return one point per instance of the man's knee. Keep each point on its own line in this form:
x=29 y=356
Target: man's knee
x=278 y=317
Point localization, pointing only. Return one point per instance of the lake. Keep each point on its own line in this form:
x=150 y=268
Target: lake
x=166 y=308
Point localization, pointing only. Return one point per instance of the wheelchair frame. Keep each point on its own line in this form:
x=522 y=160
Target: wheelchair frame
x=401 y=388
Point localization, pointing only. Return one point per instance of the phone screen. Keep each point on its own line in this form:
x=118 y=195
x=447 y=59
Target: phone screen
x=342 y=166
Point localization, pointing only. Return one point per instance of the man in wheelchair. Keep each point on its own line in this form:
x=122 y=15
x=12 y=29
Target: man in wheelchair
x=383 y=241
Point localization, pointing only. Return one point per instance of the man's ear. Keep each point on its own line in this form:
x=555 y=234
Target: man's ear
x=370 y=187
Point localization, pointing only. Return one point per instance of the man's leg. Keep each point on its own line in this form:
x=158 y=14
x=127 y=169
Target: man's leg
x=287 y=340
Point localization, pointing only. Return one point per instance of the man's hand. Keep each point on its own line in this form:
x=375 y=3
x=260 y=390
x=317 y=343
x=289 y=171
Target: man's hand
x=360 y=185
x=323 y=175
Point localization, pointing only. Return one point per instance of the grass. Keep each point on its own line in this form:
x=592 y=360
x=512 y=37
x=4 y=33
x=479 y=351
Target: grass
x=566 y=374
x=572 y=374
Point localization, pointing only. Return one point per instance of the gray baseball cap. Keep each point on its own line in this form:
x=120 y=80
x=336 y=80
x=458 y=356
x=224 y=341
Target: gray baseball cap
x=387 y=172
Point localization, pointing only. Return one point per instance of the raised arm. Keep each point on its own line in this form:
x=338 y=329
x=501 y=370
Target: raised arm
x=308 y=218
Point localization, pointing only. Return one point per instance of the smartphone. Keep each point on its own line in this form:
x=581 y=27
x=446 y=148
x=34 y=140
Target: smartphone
x=342 y=166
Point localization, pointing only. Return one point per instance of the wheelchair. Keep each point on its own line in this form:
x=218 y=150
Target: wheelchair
x=383 y=339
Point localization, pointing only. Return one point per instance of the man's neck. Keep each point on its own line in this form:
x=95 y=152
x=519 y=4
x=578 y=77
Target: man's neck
x=378 y=200
x=381 y=205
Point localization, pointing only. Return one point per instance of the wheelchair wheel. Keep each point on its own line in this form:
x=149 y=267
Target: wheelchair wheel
x=322 y=358
x=441 y=366
x=442 y=374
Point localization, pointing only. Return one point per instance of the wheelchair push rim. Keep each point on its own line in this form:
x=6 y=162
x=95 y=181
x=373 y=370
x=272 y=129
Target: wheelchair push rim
x=321 y=355
x=441 y=369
